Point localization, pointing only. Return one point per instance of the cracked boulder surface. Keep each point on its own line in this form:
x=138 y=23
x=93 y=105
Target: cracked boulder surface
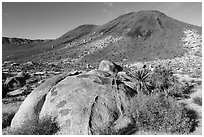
x=84 y=104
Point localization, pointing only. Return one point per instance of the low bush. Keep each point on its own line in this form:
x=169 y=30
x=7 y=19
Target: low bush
x=7 y=118
x=178 y=91
x=197 y=100
x=47 y=126
x=188 y=88
x=161 y=113
x=162 y=78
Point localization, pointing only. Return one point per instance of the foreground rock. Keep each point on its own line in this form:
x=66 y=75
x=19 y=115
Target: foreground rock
x=82 y=104
x=32 y=105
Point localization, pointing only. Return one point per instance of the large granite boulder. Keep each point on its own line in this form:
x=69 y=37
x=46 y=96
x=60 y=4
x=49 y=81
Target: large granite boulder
x=32 y=105
x=82 y=104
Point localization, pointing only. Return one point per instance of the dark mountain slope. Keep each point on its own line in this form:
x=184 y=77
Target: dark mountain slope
x=76 y=33
x=140 y=22
x=146 y=35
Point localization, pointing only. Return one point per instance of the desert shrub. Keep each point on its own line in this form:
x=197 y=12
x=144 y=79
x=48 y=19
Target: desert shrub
x=143 y=84
x=188 y=88
x=162 y=77
x=161 y=113
x=197 y=100
x=7 y=118
x=178 y=91
x=163 y=80
x=46 y=126
x=160 y=80
x=175 y=90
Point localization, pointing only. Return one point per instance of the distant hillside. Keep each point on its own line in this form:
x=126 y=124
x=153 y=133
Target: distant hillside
x=19 y=41
x=76 y=33
x=20 y=49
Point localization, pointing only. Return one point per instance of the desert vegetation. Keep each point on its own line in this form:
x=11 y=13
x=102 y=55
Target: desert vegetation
x=46 y=126
x=6 y=119
x=198 y=101
x=156 y=109
x=160 y=113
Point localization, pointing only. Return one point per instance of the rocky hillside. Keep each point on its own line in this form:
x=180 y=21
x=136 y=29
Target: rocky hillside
x=140 y=36
x=191 y=61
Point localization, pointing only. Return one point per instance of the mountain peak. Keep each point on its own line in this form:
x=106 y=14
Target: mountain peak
x=150 y=11
x=143 y=12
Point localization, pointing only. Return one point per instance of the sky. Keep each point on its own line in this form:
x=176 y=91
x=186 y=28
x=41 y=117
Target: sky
x=46 y=20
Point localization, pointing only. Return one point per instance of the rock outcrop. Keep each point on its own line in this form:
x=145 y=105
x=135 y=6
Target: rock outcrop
x=28 y=74
x=109 y=67
x=32 y=105
x=15 y=82
x=82 y=104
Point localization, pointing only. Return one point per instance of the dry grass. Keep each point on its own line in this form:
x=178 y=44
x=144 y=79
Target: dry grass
x=46 y=126
x=8 y=112
x=162 y=114
x=6 y=119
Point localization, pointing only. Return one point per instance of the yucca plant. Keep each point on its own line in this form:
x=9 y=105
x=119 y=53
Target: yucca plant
x=143 y=84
